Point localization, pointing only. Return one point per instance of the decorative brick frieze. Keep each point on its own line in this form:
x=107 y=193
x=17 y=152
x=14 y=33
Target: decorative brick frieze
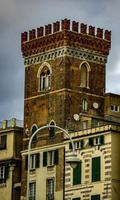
x=81 y=54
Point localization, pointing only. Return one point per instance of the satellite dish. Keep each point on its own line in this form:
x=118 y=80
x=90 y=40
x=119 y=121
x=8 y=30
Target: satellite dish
x=76 y=117
x=95 y=105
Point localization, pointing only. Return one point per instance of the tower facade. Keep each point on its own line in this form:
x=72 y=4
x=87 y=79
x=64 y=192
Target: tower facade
x=65 y=64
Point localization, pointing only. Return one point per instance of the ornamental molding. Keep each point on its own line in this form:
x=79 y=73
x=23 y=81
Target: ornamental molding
x=82 y=54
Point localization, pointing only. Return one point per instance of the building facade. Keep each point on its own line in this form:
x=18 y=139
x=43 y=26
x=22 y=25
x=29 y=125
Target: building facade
x=11 y=133
x=65 y=81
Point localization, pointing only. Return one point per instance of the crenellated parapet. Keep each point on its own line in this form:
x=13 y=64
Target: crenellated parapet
x=65 y=33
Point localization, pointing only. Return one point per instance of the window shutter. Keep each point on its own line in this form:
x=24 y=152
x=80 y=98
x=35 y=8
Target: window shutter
x=56 y=157
x=70 y=145
x=37 y=164
x=77 y=174
x=96 y=169
x=44 y=159
x=26 y=162
x=102 y=139
x=82 y=143
x=4 y=141
x=90 y=141
x=6 y=171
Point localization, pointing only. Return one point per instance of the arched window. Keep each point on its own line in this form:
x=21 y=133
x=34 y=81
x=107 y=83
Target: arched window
x=84 y=75
x=33 y=129
x=84 y=105
x=45 y=80
x=44 y=76
x=52 y=129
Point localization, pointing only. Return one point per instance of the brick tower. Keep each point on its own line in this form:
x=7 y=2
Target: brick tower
x=65 y=66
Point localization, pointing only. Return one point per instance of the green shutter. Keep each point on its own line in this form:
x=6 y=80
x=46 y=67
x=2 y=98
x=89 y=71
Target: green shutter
x=102 y=139
x=56 y=157
x=70 y=145
x=44 y=159
x=37 y=160
x=77 y=174
x=96 y=169
x=95 y=197
x=90 y=141
x=82 y=143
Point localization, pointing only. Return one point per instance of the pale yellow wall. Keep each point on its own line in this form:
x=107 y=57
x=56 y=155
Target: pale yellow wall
x=86 y=183
x=116 y=166
x=6 y=189
x=40 y=175
x=8 y=152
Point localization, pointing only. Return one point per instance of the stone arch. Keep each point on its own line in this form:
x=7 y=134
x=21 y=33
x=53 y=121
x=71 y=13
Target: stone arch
x=44 y=76
x=84 y=74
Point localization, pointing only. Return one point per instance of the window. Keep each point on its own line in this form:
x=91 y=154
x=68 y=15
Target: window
x=52 y=130
x=99 y=140
x=44 y=77
x=84 y=74
x=96 y=169
x=2 y=174
x=95 y=197
x=50 y=189
x=78 y=144
x=50 y=158
x=34 y=161
x=115 y=108
x=84 y=105
x=3 y=142
x=33 y=129
x=78 y=198
x=77 y=174
x=84 y=125
x=96 y=141
x=32 y=191
x=45 y=80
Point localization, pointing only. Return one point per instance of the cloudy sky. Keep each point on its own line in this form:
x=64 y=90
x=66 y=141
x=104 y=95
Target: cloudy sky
x=17 y=16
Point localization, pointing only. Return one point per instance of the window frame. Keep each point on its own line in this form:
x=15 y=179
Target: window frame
x=85 y=83
x=96 y=170
x=3 y=142
x=115 y=108
x=84 y=105
x=50 y=158
x=50 y=189
x=32 y=191
x=77 y=179
x=2 y=174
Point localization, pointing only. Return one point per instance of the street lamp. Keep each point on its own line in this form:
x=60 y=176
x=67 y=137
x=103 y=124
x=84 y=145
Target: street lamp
x=72 y=159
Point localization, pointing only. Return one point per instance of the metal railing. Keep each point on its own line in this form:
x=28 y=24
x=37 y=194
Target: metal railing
x=11 y=123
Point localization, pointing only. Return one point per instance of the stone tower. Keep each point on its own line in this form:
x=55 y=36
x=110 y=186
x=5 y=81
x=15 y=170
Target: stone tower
x=65 y=66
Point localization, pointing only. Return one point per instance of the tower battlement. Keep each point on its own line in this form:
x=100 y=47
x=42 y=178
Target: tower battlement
x=62 y=33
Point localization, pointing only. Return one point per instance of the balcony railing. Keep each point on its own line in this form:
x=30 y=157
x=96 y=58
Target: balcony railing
x=11 y=123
